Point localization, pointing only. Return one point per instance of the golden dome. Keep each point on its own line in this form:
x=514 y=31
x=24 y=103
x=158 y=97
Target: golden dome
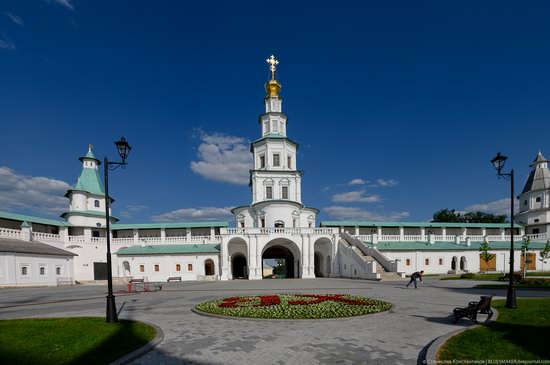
x=273 y=88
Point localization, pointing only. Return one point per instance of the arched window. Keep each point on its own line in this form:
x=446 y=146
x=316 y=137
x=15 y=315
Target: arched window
x=58 y=270
x=96 y=203
x=157 y=268
x=178 y=267
x=279 y=224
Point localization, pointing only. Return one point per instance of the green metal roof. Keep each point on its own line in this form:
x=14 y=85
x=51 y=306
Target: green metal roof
x=170 y=249
x=89 y=181
x=31 y=219
x=90 y=155
x=170 y=225
x=415 y=224
x=448 y=246
x=273 y=136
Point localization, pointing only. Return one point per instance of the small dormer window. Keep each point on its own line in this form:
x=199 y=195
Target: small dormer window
x=262 y=162
x=96 y=203
x=538 y=199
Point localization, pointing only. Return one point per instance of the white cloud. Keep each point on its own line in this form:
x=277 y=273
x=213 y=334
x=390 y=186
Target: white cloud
x=5 y=42
x=501 y=206
x=132 y=210
x=36 y=193
x=194 y=214
x=351 y=213
x=385 y=183
x=356 y=197
x=14 y=18
x=223 y=158
x=66 y=3
x=357 y=182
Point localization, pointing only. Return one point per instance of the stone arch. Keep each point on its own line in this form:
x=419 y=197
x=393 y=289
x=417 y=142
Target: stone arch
x=287 y=250
x=126 y=269
x=209 y=269
x=454 y=263
x=463 y=263
x=322 y=249
x=237 y=250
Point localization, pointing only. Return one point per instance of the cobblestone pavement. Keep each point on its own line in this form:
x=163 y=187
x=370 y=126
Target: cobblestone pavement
x=395 y=337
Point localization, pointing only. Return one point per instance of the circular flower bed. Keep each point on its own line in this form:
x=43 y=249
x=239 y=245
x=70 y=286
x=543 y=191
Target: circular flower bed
x=294 y=306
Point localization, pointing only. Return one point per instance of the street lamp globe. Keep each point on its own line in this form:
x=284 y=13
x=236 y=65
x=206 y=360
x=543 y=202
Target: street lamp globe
x=498 y=161
x=123 y=148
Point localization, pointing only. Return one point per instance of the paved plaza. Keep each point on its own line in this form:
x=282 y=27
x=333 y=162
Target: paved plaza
x=395 y=337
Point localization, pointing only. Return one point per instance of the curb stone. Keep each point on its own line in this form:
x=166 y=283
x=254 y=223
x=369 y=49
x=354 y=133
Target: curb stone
x=433 y=349
x=142 y=350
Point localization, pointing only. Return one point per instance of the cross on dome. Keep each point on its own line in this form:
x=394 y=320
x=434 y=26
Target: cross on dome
x=272 y=62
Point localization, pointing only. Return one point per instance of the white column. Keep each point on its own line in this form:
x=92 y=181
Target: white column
x=162 y=235
x=464 y=232
x=224 y=275
x=401 y=233
x=136 y=236
x=311 y=256
x=444 y=233
x=502 y=233
x=379 y=231
x=305 y=257
x=335 y=267
x=212 y=234
x=252 y=261
x=188 y=234
x=87 y=234
x=483 y=231
x=64 y=234
x=422 y=234
x=356 y=230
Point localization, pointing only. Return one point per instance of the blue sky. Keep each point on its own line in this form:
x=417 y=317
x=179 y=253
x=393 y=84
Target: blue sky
x=410 y=100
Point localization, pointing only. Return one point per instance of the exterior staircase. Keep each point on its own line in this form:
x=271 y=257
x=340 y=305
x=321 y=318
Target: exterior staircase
x=385 y=269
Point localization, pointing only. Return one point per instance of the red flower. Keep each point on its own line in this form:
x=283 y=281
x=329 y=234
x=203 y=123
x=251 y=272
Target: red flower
x=325 y=298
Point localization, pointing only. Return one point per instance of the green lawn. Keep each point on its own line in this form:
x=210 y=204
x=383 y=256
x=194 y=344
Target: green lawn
x=541 y=273
x=81 y=340
x=518 y=334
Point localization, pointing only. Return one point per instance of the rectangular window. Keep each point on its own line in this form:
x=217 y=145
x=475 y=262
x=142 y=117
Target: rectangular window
x=289 y=162
x=157 y=268
x=427 y=262
x=262 y=221
x=58 y=270
x=189 y=267
x=262 y=162
x=285 y=192
x=25 y=271
x=275 y=126
x=266 y=124
x=537 y=199
x=269 y=192
x=178 y=267
x=276 y=159
x=408 y=262
x=440 y=262
x=42 y=270
x=525 y=202
x=141 y=268
x=95 y=233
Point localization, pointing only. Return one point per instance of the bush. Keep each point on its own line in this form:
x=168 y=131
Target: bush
x=534 y=282
x=468 y=276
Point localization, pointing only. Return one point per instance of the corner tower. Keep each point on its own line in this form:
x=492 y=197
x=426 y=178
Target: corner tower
x=534 y=200
x=275 y=180
x=87 y=198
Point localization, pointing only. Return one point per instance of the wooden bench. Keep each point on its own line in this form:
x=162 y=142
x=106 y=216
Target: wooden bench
x=473 y=308
x=136 y=281
x=174 y=278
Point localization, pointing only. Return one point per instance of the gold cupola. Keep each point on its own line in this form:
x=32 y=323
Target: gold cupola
x=272 y=87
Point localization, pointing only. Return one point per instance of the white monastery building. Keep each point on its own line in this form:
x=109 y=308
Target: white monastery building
x=275 y=225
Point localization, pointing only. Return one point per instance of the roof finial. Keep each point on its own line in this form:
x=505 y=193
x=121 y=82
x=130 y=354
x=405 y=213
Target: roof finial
x=90 y=147
x=272 y=62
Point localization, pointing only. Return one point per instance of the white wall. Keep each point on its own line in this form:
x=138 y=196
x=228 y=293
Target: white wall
x=11 y=269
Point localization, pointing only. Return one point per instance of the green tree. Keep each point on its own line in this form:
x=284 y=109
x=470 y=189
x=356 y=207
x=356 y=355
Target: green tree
x=484 y=249
x=447 y=215
x=452 y=216
x=545 y=253
x=280 y=268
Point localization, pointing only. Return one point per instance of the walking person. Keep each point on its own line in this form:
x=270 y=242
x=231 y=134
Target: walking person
x=414 y=276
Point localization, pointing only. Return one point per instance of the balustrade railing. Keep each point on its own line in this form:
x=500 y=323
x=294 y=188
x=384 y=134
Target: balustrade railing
x=10 y=233
x=46 y=236
x=77 y=239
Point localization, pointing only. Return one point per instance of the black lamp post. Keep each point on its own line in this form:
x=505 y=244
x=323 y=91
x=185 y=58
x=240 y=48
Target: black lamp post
x=123 y=150
x=498 y=161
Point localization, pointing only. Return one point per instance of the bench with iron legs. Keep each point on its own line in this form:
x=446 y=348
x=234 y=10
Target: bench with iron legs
x=174 y=278
x=475 y=308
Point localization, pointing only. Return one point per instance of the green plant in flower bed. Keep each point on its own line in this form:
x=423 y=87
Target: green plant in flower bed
x=295 y=306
